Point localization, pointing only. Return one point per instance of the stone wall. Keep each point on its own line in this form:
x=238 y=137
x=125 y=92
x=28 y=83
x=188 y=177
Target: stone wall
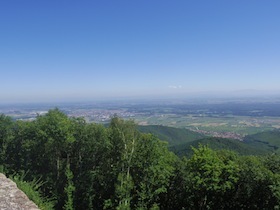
x=11 y=198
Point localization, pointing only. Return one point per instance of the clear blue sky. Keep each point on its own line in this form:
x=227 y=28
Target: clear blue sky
x=88 y=49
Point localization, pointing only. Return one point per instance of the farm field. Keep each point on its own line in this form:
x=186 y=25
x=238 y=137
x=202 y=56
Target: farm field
x=238 y=117
x=242 y=125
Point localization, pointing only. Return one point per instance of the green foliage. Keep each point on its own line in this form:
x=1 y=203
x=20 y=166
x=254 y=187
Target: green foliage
x=259 y=187
x=152 y=169
x=174 y=136
x=272 y=163
x=6 y=125
x=69 y=189
x=123 y=191
x=145 y=166
x=269 y=140
x=209 y=177
x=32 y=190
x=124 y=137
x=239 y=147
x=89 y=166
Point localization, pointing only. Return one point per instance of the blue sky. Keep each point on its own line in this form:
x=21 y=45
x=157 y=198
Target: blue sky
x=82 y=50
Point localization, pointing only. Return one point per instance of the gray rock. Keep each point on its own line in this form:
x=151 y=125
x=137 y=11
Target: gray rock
x=11 y=198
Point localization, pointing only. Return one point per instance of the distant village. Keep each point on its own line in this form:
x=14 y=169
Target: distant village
x=227 y=135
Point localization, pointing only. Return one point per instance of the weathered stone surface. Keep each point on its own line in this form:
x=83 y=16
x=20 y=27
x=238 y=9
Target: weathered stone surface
x=11 y=198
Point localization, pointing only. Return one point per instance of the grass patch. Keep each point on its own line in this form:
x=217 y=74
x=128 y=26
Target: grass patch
x=32 y=190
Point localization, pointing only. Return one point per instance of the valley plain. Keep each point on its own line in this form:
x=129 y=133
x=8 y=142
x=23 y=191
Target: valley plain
x=227 y=118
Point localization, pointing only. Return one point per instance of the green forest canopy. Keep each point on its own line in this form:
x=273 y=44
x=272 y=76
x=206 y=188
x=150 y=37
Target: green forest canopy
x=89 y=166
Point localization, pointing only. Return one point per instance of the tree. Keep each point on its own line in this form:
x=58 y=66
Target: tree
x=208 y=178
x=6 y=136
x=55 y=138
x=69 y=189
x=153 y=166
x=20 y=150
x=258 y=187
x=142 y=164
x=175 y=197
x=92 y=166
x=124 y=137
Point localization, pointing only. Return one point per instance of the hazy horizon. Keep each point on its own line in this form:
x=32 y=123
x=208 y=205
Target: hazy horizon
x=245 y=95
x=56 y=51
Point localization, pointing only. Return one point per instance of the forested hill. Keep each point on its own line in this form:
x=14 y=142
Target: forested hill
x=79 y=165
x=174 y=136
x=269 y=140
x=214 y=143
x=181 y=141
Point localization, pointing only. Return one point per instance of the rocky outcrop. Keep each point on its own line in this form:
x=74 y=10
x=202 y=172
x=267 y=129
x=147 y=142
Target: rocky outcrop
x=11 y=198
